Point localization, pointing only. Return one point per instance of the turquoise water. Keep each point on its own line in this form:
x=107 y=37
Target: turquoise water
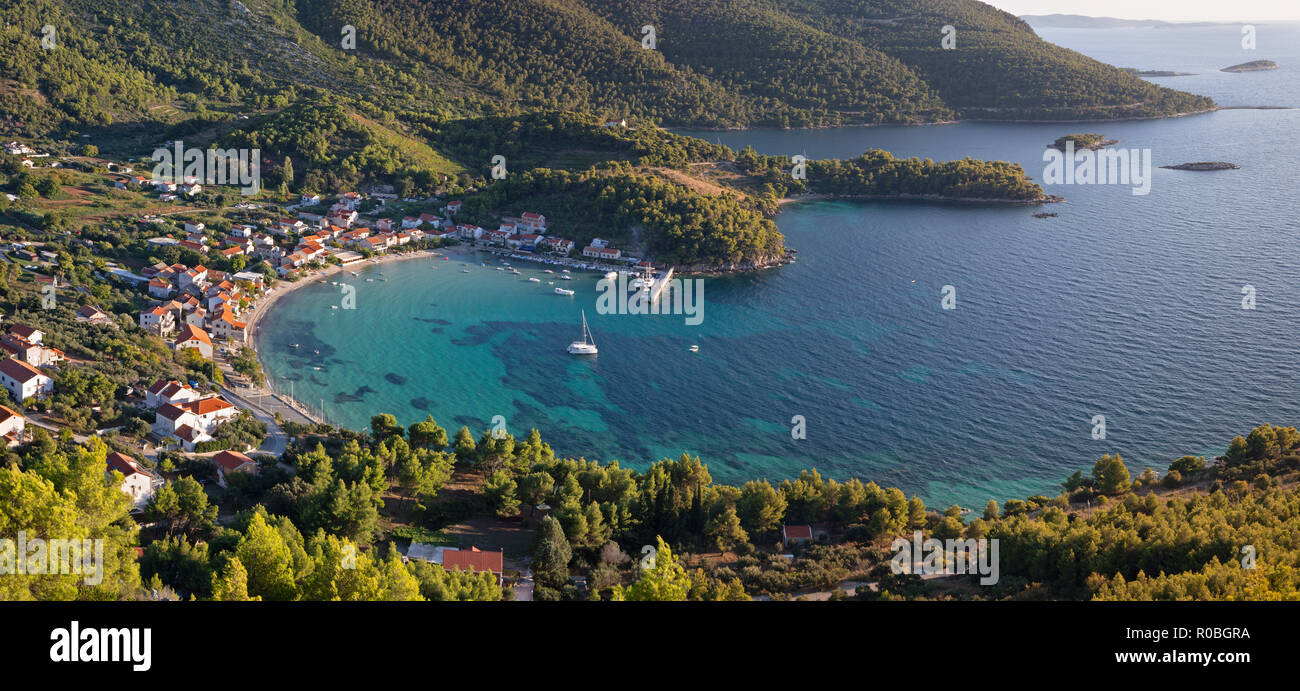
x=1124 y=306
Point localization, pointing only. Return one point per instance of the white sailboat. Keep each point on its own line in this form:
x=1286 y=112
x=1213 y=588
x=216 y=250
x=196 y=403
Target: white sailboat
x=587 y=346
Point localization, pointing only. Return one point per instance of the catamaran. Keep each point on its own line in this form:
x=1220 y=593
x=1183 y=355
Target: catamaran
x=587 y=346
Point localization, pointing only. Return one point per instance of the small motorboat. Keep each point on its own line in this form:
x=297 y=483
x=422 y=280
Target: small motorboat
x=695 y=349
x=563 y=291
x=534 y=280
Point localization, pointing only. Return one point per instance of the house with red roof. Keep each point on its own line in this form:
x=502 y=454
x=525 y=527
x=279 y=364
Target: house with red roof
x=158 y=319
x=533 y=222
x=474 y=559
x=24 y=381
x=12 y=427
x=193 y=337
x=228 y=462
x=795 y=534
x=192 y=422
x=137 y=483
x=166 y=391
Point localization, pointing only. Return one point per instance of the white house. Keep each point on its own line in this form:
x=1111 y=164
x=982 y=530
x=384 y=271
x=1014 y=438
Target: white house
x=23 y=380
x=11 y=426
x=163 y=392
x=228 y=462
x=192 y=422
x=159 y=320
x=193 y=337
x=532 y=221
x=137 y=483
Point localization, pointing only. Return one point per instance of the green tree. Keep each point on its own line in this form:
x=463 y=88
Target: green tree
x=724 y=530
x=269 y=561
x=1111 y=475
x=231 y=584
x=428 y=435
x=464 y=445
x=500 y=491
x=551 y=553
x=760 y=507
x=665 y=581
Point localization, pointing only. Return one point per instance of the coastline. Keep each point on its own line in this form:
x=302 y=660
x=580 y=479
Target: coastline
x=825 y=196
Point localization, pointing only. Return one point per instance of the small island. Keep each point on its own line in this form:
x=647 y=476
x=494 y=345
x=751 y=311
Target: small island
x=1204 y=165
x=1157 y=73
x=1252 y=66
x=1083 y=141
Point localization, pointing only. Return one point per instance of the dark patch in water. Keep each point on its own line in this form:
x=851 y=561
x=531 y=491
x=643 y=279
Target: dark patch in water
x=422 y=404
x=394 y=378
x=354 y=397
x=431 y=320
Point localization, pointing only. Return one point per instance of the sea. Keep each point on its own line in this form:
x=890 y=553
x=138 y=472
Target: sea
x=961 y=353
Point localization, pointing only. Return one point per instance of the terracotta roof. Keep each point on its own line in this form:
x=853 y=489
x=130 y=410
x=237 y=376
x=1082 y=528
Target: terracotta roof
x=203 y=406
x=193 y=333
x=187 y=433
x=18 y=370
x=23 y=330
x=171 y=411
x=795 y=532
x=124 y=464
x=230 y=461
x=6 y=414
x=473 y=560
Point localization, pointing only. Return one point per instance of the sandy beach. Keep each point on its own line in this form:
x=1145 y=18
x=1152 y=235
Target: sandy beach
x=283 y=288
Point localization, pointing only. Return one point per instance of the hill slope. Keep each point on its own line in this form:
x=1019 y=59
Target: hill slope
x=716 y=63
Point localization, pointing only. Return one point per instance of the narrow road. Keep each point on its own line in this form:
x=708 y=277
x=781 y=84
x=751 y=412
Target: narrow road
x=276 y=440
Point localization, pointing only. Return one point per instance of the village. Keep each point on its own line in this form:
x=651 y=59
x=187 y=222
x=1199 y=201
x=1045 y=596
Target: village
x=207 y=315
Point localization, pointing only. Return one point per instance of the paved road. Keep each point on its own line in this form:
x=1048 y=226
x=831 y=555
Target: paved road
x=276 y=440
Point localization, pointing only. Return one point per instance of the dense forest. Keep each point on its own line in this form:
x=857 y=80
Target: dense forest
x=808 y=63
x=878 y=173
x=644 y=214
x=1205 y=531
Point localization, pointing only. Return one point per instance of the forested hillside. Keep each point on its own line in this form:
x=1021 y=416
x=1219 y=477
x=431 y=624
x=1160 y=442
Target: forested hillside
x=715 y=63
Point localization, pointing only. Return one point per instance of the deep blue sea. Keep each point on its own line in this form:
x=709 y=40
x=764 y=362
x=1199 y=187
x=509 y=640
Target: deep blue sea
x=1124 y=306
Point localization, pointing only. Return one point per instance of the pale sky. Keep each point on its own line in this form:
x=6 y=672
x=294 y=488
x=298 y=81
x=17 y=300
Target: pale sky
x=1168 y=10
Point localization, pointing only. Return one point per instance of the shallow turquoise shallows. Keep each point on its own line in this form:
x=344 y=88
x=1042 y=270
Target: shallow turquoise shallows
x=1124 y=306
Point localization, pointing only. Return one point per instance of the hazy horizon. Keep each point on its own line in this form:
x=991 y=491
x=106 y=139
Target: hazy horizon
x=1167 y=10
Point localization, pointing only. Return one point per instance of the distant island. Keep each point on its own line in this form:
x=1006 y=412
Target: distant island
x=1204 y=165
x=1157 y=73
x=1079 y=21
x=1252 y=66
x=1081 y=141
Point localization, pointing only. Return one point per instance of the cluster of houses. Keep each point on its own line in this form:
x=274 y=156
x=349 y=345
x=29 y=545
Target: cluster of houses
x=25 y=358
x=600 y=249
x=197 y=301
x=526 y=233
x=183 y=414
x=16 y=148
